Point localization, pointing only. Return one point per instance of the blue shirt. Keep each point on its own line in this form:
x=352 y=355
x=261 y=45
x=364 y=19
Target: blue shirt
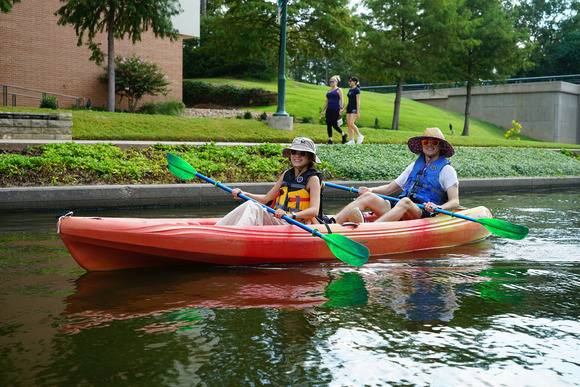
x=333 y=100
x=352 y=93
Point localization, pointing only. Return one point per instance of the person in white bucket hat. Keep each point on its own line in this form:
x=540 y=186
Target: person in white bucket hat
x=430 y=181
x=297 y=193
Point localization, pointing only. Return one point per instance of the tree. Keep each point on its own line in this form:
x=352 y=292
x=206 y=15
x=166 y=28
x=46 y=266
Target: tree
x=6 y=5
x=567 y=53
x=541 y=19
x=242 y=37
x=237 y=37
x=119 y=18
x=323 y=31
x=135 y=77
x=404 y=39
x=492 y=48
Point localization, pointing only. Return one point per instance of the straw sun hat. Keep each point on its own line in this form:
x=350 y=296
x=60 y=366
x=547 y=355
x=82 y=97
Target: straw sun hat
x=302 y=144
x=445 y=148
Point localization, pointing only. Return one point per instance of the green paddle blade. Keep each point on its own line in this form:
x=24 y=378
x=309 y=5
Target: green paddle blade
x=349 y=290
x=346 y=250
x=180 y=167
x=504 y=229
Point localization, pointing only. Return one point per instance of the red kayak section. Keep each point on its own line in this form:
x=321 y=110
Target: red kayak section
x=101 y=244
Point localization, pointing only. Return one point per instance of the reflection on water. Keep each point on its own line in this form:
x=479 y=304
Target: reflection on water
x=497 y=312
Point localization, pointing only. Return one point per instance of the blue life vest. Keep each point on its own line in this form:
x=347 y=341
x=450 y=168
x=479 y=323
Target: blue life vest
x=423 y=184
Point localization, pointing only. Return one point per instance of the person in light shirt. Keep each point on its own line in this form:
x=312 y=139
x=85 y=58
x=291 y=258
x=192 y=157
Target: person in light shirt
x=430 y=181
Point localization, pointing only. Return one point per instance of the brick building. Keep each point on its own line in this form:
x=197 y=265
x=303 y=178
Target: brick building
x=36 y=53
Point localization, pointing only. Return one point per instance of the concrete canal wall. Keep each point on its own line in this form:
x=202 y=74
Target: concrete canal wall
x=126 y=196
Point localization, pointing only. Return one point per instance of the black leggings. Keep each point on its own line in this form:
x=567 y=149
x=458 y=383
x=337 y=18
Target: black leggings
x=332 y=122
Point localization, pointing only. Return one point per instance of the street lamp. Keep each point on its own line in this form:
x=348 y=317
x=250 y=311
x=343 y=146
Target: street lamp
x=282 y=10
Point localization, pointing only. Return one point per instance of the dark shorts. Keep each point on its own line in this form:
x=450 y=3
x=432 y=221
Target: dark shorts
x=424 y=213
x=427 y=214
x=350 y=110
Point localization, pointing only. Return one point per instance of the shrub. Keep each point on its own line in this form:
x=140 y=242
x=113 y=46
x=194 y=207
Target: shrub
x=147 y=108
x=512 y=134
x=49 y=102
x=263 y=116
x=248 y=115
x=167 y=108
x=135 y=77
x=198 y=92
x=569 y=153
x=306 y=120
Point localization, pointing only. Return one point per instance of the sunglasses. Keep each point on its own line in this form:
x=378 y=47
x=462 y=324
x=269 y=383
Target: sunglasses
x=433 y=142
x=302 y=153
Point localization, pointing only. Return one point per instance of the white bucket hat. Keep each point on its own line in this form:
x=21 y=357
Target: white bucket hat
x=302 y=144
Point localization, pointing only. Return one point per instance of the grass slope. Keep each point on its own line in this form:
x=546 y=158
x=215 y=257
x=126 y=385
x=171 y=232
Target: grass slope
x=302 y=100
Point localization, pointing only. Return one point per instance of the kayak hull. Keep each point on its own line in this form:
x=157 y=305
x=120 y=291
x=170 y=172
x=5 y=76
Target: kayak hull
x=100 y=244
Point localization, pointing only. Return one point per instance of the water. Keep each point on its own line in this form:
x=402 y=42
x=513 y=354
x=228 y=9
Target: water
x=499 y=312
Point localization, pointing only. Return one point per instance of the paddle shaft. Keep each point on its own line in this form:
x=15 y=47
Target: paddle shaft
x=271 y=210
x=351 y=189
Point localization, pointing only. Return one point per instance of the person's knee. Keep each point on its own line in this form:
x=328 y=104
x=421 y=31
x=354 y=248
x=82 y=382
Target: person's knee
x=405 y=203
x=366 y=198
x=373 y=202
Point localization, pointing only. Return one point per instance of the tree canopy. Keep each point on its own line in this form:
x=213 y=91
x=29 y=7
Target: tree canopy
x=491 y=47
x=242 y=37
x=553 y=27
x=6 y=5
x=407 y=39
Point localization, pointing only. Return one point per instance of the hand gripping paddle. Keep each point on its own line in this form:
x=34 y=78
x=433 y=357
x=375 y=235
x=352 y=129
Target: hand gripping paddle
x=496 y=226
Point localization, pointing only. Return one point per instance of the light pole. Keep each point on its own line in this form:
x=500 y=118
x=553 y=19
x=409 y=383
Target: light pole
x=281 y=112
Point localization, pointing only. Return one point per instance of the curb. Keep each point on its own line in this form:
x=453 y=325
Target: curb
x=155 y=195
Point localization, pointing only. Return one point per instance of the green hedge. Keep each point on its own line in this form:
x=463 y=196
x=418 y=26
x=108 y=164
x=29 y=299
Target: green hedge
x=71 y=163
x=198 y=92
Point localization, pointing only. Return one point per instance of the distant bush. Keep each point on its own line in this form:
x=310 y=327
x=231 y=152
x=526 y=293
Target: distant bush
x=198 y=92
x=49 y=102
x=167 y=108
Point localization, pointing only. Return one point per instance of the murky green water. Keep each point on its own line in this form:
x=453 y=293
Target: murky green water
x=498 y=312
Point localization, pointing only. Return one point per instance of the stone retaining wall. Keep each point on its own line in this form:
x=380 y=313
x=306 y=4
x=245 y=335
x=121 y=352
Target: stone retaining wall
x=547 y=111
x=35 y=126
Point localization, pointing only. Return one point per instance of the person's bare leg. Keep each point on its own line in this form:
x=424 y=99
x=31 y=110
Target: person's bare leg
x=350 y=123
x=367 y=200
x=405 y=208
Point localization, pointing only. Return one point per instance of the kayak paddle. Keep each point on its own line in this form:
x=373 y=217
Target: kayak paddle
x=343 y=248
x=496 y=226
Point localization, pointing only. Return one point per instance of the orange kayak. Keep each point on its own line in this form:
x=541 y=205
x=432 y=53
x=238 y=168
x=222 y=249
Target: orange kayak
x=100 y=244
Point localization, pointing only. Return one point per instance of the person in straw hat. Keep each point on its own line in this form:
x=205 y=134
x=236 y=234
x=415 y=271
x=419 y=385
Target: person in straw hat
x=430 y=181
x=297 y=193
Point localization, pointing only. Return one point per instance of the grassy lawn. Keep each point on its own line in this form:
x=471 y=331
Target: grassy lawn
x=302 y=100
